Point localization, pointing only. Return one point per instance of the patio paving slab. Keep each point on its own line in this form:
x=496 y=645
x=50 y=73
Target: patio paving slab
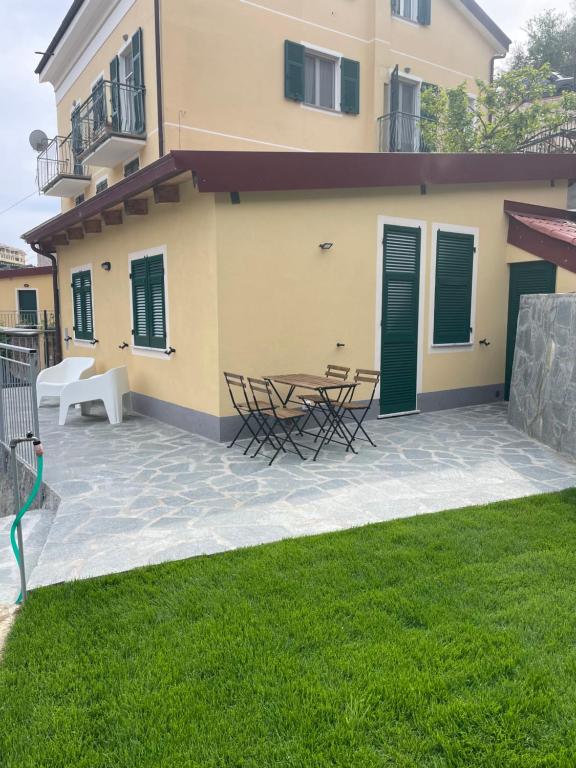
x=143 y=492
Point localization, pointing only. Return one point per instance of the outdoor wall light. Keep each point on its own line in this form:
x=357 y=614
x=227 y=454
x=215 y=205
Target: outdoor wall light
x=326 y=246
x=106 y=266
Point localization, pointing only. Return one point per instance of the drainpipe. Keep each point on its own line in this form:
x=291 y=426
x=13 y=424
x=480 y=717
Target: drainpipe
x=492 y=64
x=56 y=291
x=159 y=97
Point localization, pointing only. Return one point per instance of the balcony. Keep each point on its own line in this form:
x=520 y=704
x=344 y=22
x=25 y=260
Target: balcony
x=59 y=174
x=401 y=132
x=109 y=127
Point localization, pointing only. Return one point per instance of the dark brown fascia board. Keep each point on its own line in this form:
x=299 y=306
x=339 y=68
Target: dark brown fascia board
x=481 y=15
x=157 y=172
x=291 y=171
x=25 y=272
x=60 y=32
x=283 y=171
x=513 y=206
x=550 y=249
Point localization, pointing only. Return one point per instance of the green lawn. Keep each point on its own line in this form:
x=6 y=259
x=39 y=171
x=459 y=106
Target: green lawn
x=443 y=640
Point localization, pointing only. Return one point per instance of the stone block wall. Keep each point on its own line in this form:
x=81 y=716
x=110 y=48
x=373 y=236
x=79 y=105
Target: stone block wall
x=46 y=499
x=543 y=390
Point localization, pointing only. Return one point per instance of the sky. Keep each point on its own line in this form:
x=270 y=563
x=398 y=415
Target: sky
x=28 y=26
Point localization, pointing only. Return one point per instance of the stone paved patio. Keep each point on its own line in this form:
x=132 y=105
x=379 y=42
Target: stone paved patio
x=144 y=492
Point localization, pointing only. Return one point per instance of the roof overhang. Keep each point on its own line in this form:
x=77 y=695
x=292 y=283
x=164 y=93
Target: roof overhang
x=24 y=272
x=549 y=233
x=285 y=171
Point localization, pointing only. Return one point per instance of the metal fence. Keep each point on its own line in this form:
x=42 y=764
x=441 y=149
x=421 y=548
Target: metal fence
x=401 y=132
x=58 y=160
x=34 y=329
x=18 y=406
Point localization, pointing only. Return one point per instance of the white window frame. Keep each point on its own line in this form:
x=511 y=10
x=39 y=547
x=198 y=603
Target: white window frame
x=413 y=18
x=17 y=302
x=159 y=354
x=83 y=342
x=466 y=346
x=99 y=180
x=336 y=57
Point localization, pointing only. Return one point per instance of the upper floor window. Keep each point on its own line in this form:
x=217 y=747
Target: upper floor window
x=414 y=10
x=321 y=79
x=132 y=167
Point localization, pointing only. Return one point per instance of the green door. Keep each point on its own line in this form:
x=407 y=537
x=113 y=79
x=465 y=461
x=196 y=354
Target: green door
x=400 y=301
x=27 y=307
x=526 y=277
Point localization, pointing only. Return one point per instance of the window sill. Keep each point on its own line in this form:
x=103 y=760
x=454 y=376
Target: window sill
x=150 y=352
x=413 y=22
x=325 y=110
x=455 y=345
x=83 y=343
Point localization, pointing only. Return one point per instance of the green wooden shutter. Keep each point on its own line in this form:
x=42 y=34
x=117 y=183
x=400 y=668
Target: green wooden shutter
x=424 y=11
x=137 y=56
x=350 y=88
x=396 y=7
x=115 y=93
x=82 y=303
x=148 y=302
x=400 y=305
x=156 y=302
x=453 y=292
x=98 y=105
x=140 y=303
x=294 y=71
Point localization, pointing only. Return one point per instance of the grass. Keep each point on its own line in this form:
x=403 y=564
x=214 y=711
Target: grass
x=444 y=640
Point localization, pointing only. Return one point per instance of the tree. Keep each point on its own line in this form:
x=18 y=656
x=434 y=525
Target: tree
x=551 y=39
x=505 y=114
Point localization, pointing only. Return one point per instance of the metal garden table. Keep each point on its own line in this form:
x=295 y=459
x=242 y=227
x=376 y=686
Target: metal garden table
x=324 y=386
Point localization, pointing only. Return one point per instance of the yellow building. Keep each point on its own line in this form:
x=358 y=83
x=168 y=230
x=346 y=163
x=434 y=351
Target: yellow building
x=204 y=262
x=25 y=294
x=135 y=79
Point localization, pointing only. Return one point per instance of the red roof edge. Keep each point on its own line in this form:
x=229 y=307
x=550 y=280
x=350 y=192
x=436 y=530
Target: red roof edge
x=25 y=272
x=512 y=206
x=545 y=246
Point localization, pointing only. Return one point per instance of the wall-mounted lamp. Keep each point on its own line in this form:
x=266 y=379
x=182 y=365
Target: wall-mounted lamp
x=106 y=266
x=326 y=246
x=26 y=285
x=407 y=70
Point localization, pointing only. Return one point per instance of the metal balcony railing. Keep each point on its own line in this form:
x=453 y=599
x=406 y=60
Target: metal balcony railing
x=113 y=109
x=557 y=141
x=402 y=132
x=58 y=160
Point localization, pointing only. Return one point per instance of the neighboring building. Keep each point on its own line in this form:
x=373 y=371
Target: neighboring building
x=11 y=258
x=210 y=261
x=24 y=296
x=137 y=78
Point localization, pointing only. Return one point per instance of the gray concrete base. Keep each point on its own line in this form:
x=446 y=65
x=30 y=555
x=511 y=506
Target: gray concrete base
x=460 y=398
x=223 y=429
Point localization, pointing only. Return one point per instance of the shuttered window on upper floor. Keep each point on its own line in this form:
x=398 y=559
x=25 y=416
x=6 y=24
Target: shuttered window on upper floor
x=419 y=11
x=321 y=80
x=453 y=288
x=148 y=302
x=82 y=305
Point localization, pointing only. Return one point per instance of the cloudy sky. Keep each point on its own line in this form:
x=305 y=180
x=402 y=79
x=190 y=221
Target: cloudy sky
x=27 y=26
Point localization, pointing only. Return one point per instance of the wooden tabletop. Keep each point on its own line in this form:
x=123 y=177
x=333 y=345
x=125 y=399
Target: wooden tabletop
x=308 y=381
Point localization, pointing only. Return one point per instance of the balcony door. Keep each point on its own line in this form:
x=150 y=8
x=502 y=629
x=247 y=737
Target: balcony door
x=126 y=77
x=404 y=114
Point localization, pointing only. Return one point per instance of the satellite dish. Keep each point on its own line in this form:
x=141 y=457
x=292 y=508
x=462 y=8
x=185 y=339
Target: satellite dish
x=38 y=140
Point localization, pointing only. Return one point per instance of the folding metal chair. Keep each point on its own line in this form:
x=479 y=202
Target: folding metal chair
x=332 y=372
x=278 y=421
x=244 y=407
x=357 y=411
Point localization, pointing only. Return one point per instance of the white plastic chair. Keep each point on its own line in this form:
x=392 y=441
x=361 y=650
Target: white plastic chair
x=108 y=387
x=51 y=381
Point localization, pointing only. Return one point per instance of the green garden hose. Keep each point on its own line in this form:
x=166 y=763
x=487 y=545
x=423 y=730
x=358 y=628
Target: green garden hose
x=27 y=504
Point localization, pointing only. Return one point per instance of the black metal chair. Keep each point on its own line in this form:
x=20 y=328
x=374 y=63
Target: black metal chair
x=278 y=421
x=245 y=408
x=357 y=410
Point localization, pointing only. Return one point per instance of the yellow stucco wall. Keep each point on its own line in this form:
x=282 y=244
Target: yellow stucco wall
x=10 y=285
x=186 y=234
x=249 y=290
x=309 y=300
x=223 y=71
